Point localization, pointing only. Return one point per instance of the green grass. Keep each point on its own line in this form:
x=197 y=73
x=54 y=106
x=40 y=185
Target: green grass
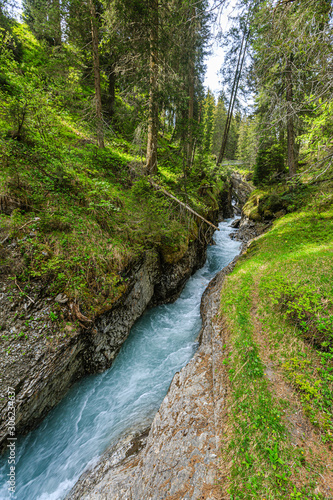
x=82 y=221
x=84 y=215
x=278 y=305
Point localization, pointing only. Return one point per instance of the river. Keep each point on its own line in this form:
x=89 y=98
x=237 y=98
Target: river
x=100 y=409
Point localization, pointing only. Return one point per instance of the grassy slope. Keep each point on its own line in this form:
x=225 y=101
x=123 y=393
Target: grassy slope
x=84 y=215
x=278 y=311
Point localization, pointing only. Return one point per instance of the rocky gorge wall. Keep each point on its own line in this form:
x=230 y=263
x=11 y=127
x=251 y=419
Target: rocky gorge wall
x=42 y=374
x=178 y=457
x=241 y=189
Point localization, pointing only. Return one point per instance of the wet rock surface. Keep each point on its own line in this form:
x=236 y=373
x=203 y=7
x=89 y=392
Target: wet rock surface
x=179 y=459
x=248 y=230
x=241 y=190
x=37 y=360
x=41 y=357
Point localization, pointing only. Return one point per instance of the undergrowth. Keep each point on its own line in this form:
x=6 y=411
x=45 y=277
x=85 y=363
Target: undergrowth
x=82 y=220
x=77 y=216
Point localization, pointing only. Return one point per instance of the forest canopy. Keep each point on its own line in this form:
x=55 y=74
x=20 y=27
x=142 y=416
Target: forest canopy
x=137 y=69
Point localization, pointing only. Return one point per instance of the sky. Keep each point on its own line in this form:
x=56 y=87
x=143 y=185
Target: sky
x=215 y=60
x=214 y=63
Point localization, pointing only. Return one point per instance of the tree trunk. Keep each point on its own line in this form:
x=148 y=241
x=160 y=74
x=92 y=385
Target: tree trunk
x=111 y=90
x=57 y=22
x=240 y=62
x=290 y=120
x=151 y=166
x=97 y=76
x=190 y=114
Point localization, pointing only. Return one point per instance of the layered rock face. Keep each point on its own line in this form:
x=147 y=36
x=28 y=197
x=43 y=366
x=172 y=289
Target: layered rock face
x=43 y=375
x=241 y=189
x=178 y=457
x=152 y=282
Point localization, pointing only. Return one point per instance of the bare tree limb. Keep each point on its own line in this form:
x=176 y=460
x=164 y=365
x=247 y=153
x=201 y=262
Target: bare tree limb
x=157 y=187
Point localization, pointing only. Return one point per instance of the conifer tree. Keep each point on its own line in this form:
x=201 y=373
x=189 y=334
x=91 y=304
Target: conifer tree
x=208 y=121
x=44 y=19
x=97 y=75
x=220 y=117
x=151 y=165
x=290 y=50
x=248 y=141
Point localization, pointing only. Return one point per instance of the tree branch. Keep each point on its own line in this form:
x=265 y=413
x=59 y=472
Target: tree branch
x=189 y=209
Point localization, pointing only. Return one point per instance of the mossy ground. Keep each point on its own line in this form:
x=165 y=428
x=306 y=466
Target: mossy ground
x=79 y=225
x=278 y=311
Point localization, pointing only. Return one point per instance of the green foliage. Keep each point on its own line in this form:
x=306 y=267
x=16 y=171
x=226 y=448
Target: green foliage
x=247 y=145
x=278 y=307
x=44 y=19
x=207 y=122
x=220 y=117
x=305 y=306
x=317 y=139
x=269 y=161
x=83 y=214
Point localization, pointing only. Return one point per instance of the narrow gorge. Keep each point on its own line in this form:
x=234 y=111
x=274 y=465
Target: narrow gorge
x=166 y=239
x=94 y=350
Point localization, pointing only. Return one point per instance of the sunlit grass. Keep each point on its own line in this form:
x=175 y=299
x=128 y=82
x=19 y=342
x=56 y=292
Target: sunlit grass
x=278 y=302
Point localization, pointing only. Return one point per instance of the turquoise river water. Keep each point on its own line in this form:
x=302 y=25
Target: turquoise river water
x=99 y=409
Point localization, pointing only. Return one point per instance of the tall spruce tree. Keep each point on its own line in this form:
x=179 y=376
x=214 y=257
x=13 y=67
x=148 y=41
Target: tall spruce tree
x=97 y=74
x=44 y=19
x=208 y=122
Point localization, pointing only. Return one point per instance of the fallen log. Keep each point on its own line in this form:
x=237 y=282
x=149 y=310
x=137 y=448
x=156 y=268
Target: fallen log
x=189 y=209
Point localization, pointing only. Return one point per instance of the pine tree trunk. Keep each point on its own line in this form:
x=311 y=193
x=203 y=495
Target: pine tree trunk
x=57 y=22
x=97 y=76
x=111 y=90
x=290 y=121
x=151 y=166
x=190 y=115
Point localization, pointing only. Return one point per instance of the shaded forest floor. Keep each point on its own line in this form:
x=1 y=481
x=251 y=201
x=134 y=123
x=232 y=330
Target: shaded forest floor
x=76 y=216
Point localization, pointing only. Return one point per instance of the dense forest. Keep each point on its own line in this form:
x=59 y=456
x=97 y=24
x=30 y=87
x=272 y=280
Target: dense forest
x=94 y=99
x=112 y=147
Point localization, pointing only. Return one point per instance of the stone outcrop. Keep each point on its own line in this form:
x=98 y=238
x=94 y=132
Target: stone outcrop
x=249 y=226
x=153 y=282
x=248 y=230
x=43 y=365
x=241 y=190
x=179 y=458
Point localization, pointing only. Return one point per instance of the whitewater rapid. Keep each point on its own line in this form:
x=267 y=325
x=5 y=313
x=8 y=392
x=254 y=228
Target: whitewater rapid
x=100 y=409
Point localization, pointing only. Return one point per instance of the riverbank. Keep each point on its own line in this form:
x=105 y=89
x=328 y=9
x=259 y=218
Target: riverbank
x=51 y=361
x=276 y=309
x=79 y=267
x=103 y=407
x=258 y=367
x=179 y=456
